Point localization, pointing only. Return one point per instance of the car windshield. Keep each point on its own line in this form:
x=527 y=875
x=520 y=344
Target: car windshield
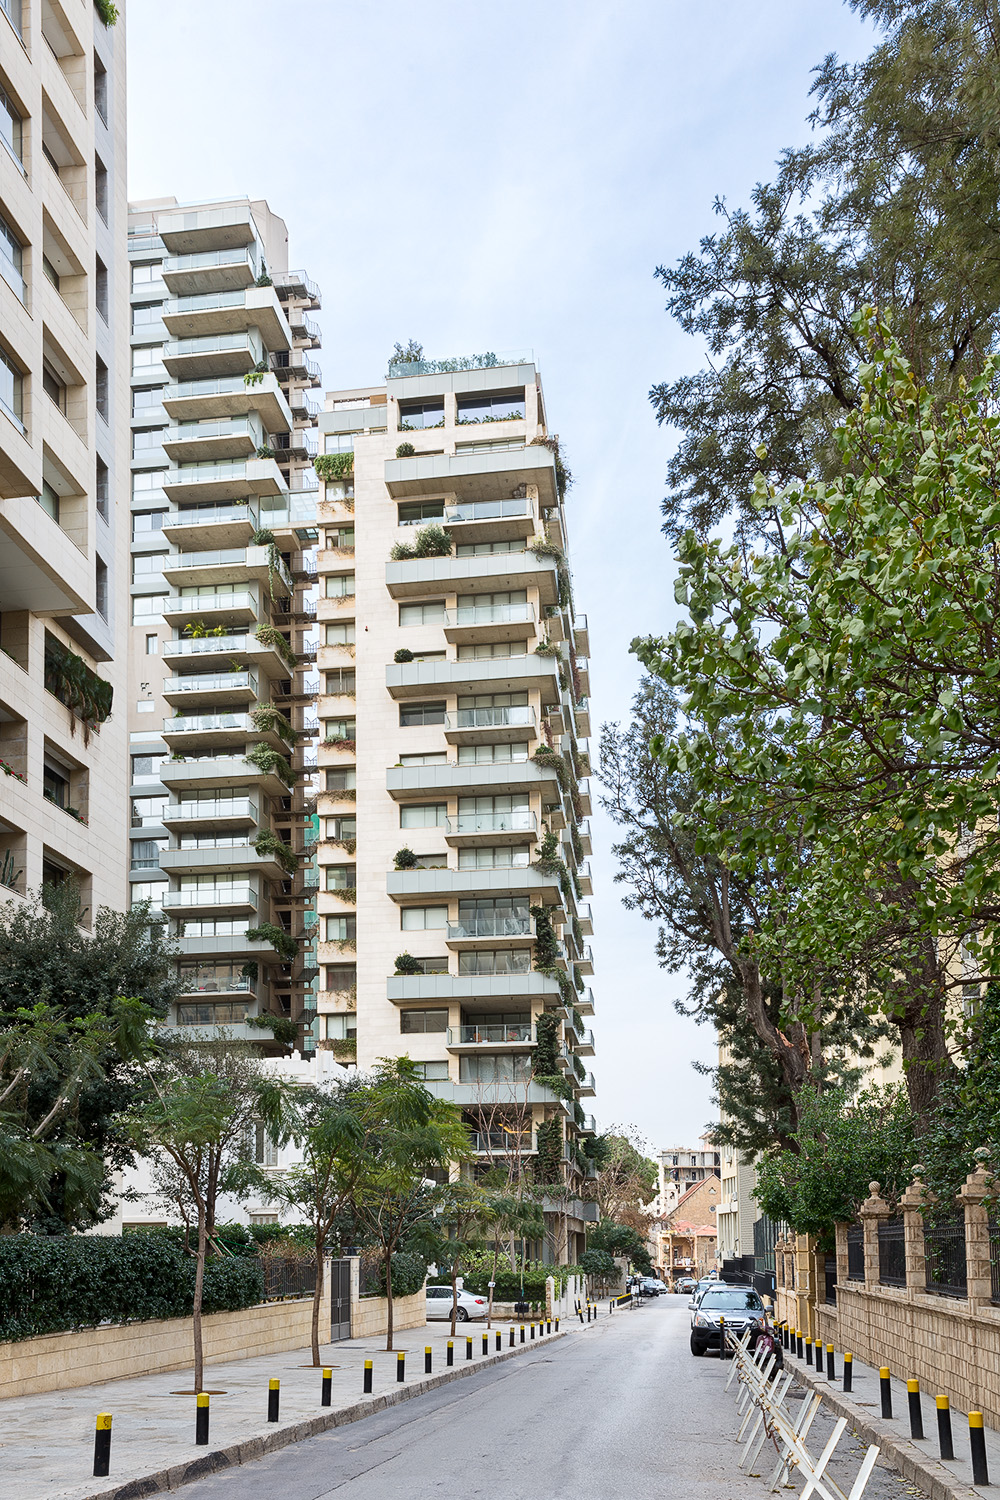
x=733 y=1301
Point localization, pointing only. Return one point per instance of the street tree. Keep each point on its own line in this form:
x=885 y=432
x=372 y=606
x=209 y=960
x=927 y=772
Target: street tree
x=627 y=1179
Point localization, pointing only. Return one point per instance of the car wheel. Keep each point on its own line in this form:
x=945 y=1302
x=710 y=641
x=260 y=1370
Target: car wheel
x=463 y=1315
x=697 y=1348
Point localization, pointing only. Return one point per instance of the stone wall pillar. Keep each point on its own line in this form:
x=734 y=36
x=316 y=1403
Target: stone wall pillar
x=977 y=1187
x=913 y=1202
x=871 y=1212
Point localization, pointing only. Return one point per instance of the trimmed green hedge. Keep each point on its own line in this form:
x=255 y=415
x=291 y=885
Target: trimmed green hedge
x=54 y=1285
x=409 y=1272
x=508 y=1286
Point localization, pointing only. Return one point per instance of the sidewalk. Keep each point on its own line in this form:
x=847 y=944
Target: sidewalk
x=47 y=1441
x=917 y=1459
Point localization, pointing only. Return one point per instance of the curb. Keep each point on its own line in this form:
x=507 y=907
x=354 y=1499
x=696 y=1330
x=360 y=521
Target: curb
x=256 y=1447
x=936 y=1481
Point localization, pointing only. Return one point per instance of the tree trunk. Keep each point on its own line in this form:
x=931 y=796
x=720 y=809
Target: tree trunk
x=199 y=1286
x=388 y=1295
x=317 y=1298
x=492 y=1287
x=454 y=1298
x=925 y=1057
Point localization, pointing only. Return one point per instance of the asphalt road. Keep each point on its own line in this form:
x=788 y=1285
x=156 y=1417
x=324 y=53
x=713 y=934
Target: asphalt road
x=622 y=1409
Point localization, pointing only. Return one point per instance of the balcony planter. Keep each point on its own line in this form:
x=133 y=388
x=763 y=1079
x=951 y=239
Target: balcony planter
x=282 y=943
x=68 y=678
x=334 y=465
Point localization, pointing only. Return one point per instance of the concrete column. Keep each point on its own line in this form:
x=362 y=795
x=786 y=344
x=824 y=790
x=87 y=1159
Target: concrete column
x=872 y=1210
x=976 y=1188
x=913 y=1202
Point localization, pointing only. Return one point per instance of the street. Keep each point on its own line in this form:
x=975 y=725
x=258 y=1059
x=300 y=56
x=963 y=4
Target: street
x=621 y=1410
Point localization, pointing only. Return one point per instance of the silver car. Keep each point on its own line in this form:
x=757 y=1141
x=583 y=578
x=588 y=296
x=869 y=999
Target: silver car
x=470 y=1304
x=739 y=1305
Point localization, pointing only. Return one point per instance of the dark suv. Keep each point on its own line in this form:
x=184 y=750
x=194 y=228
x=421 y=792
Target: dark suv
x=739 y=1305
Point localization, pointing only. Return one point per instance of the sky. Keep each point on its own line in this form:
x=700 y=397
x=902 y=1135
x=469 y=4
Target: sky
x=508 y=178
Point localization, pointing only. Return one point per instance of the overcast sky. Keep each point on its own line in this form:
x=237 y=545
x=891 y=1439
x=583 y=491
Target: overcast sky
x=508 y=177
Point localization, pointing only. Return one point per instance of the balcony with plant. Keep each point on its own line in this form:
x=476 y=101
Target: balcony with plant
x=430 y=541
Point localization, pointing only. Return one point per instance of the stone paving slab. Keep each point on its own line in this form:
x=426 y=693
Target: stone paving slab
x=47 y=1441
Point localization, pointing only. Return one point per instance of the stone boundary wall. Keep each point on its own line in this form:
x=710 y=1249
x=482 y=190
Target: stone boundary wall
x=61 y=1361
x=370 y=1315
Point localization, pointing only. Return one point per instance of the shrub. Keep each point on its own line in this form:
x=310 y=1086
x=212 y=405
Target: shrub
x=334 y=465
x=405 y=450
x=409 y=1272
x=407 y=964
x=600 y=1264
x=430 y=541
x=403 y=654
x=508 y=1285
x=405 y=859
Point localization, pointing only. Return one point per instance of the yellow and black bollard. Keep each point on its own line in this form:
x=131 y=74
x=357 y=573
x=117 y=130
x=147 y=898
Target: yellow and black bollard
x=102 y=1445
x=486 y=1343
x=273 y=1398
x=557 y=1325
x=400 y=1365
x=548 y=1325
x=327 y=1397
x=977 y=1441
x=588 y=1312
x=809 y=1350
x=368 y=1377
x=468 y=1348
x=532 y=1333
x=201 y=1420
x=722 y=1337
x=831 y=1368
x=522 y=1333
x=913 y=1402
x=885 y=1387
x=428 y=1359
x=499 y=1341
x=450 y=1358
x=798 y=1343
x=848 y=1370
x=944 y=1426
x=818 y=1355
x=512 y=1336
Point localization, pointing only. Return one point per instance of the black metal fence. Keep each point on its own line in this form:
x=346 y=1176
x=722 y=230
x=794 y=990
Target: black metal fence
x=856 y=1253
x=891 y=1253
x=944 y=1247
x=370 y=1279
x=995 y=1260
x=287 y=1278
x=765 y=1235
x=830 y=1279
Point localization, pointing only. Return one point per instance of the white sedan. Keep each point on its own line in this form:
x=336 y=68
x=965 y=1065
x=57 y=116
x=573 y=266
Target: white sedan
x=439 y=1301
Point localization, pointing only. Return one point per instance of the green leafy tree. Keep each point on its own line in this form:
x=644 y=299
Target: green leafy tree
x=621 y=1240
x=465 y=1214
x=627 y=1180
x=894 y=204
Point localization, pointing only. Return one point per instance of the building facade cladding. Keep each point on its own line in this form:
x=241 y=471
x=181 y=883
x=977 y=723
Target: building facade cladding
x=453 y=723
x=63 y=451
x=221 y=689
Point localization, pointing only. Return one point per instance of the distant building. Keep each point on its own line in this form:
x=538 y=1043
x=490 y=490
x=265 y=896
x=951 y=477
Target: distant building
x=687 y=1234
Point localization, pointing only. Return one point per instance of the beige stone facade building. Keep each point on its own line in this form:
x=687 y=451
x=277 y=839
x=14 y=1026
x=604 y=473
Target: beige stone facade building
x=63 y=451
x=453 y=753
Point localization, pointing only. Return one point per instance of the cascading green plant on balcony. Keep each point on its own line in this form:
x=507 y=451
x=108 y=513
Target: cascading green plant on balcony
x=334 y=465
x=546 y=943
x=87 y=696
x=267 y=842
x=547 y=648
x=281 y=941
x=348 y=893
x=430 y=541
x=283 y=1028
x=268 y=719
x=270 y=763
x=270 y=635
x=108 y=12
x=563 y=476
x=543 y=548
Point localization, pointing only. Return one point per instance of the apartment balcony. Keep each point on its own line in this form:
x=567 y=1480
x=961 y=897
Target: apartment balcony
x=230 y=813
x=581 y=635
x=224 y=481
x=229 y=312
x=201 y=731
x=490 y=520
x=585 y=918
x=213 y=900
x=484 y=992
x=586 y=1087
x=233 y=944
x=491 y=828
x=585 y=963
x=476 y=624
x=214 y=609
x=585 y=878
x=487 y=929
x=199 y=359
x=502 y=1143
x=292 y=364
x=582 y=683
x=192 y=231
x=236 y=859
x=216 y=688
x=474 y=476
x=216 y=984
x=519 y=1092
x=228 y=270
x=229 y=396
x=493 y=572
x=586 y=842
x=504 y=674
x=585 y=1046
x=485 y=726
x=227 y=771
x=585 y=1002
x=212 y=527
x=221 y=437
x=581 y=718
x=542 y=890
x=230 y=565
x=500 y=780
x=487 y=1038
x=215 y=652
x=297 y=284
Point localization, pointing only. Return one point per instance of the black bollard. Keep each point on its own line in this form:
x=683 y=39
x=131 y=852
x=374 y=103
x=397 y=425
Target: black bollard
x=273 y=1397
x=327 y=1397
x=798 y=1343
x=450 y=1360
x=368 y=1377
x=977 y=1441
x=944 y=1427
x=201 y=1421
x=886 y=1390
x=848 y=1371
x=428 y=1359
x=831 y=1368
x=468 y=1348
x=532 y=1332
x=486 y=1343
x=913 y=1402
x=401 y=1365
x=557 y=1325
x=809 y=1352
x=102 y=1445
x=522 y=1333
x=511 y=1336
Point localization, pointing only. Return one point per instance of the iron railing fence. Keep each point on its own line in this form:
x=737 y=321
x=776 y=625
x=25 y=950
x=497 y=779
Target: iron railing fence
x=944 y=1247
x=856 y=1253
x=891 y=1253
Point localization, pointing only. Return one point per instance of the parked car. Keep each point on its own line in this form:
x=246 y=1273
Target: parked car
x=661 y=1286
x=740 y=1306
x=685 y=1284
x=649 y=1286
x=439 y=1300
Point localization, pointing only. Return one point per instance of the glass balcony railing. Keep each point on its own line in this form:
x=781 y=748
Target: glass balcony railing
x=491 y=614
x=208 y=515
x=204 y=473
x=515 y=717
x=491 y=925
x=292 y=279
x=221 y=385
x=214 y=343
x=492 y=1035
x=211 y=895
x=209 y=258
x=223 y=427
x=216 y=984
x=230 y=807
x=500 y=1141
x=205 y=302
x=211 y=682
x=496 y=822
x=197 y=723
x=196 y=646
x=194 y=603
x=486 y=510
x=215 y=559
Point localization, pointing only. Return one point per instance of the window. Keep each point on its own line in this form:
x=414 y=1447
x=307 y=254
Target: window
x=341 y=929
x=411 y=714
x=145 y=480
x=153 y=892
x=50 y=272
x=145 y=521
x=491 y=755
x=11 y=128
x=341 y=978
x=11 y=391
x=101 y=188
x=423 y=918
x=431 y=862
x=152 y=645
x=484 y=549
x=146 y=767
x=430 y=758
x=339 y=585
x=101 y=588
x=147 y=562
x=101 y=89
x=428 y=1071
x=145 y=706
x=492 y=407
x=431 y=612
x=101 y=398
x=340 y=635
x=340 y=729
x=147 y=607
x=340 y=877
x=343 y=680
x=419 y=512
x=338 y=442
x=413 y=1022
x=484 y=650
x=146 y=356
x=55 y=784
x=423 y=815
x=417 y=414
x=342 y=781
x=340 y=536
x=504 y=857
x=52 y=384
x=340 y=829
x=145 y=438
x=101 y=288
x=146 y=314
x=102 y=488
x=145 y=396
x=49 y=501
x=11 y=259
x=495 y=961
x=145 y=274
x=495 y=1068
x=146 y=853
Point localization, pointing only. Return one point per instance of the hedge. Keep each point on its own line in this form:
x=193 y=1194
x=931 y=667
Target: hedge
x=55 y=1285
x=409 y=1272
x=508 y=1285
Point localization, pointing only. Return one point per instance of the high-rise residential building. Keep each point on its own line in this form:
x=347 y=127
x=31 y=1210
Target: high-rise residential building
x=453 y=754
x=63 y=453
x=223 y=609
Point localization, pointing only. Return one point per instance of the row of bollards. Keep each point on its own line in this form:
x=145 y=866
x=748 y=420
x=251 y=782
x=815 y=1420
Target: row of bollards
x=102 y=1435
x=800 y=1345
